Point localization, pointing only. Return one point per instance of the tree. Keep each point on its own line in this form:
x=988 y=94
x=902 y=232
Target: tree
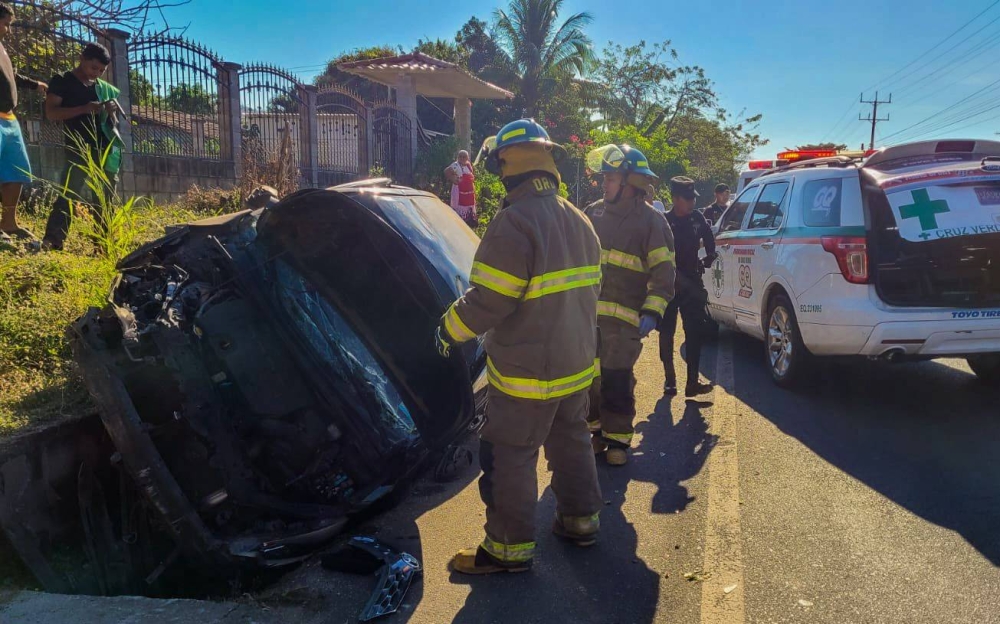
x=821 y=146
x=537 y=51
x=191 y=99
x=143 y=93
x=368 y=90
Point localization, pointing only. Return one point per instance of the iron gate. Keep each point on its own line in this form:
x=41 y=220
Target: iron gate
x=342 y=127
x=392 y=143
x=271 y=123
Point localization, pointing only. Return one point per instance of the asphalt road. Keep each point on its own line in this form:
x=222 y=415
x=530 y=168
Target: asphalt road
x=871 y=497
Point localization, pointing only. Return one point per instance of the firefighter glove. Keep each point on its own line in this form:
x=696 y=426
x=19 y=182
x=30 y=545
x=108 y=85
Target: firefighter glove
x=647 y=324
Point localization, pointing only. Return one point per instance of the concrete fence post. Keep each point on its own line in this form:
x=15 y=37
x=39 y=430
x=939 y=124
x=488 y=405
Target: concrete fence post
x=230 y=117
x=116 y=41
x=309 y=136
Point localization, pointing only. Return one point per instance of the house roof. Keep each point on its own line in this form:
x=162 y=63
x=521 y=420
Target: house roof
x=433 y=77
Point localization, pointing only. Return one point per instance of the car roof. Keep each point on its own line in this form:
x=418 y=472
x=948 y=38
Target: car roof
x=378 y=186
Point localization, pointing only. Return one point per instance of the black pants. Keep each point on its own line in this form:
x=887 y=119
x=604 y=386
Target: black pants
x=75 y=179
x=690 y=303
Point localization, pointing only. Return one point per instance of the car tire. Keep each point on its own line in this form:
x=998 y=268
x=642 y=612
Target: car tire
x=986 y=367
x=784 y=352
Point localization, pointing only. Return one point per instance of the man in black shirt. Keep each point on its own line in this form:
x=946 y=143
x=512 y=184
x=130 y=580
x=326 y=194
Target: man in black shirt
x=15 y=170
x=690 y=231
x=714 y=211
x=74 y=98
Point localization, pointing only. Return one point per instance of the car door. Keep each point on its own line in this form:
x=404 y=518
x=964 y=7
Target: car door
x=755 y=250
x=719 y=279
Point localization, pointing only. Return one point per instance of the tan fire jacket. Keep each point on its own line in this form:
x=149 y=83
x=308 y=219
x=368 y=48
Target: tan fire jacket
x=534 y=288
x=637 y=258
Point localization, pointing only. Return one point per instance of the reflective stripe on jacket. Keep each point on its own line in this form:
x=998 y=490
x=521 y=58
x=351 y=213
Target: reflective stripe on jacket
x=534 y=288
x=637 y=258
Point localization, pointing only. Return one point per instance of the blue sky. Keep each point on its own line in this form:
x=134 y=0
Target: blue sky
x=803 y=64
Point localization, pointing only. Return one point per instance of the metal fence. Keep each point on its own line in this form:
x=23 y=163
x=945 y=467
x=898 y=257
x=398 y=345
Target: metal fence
x=175 y=91
x=271 y=107
x=44 y=42
x=196 y=119
x=392 y=134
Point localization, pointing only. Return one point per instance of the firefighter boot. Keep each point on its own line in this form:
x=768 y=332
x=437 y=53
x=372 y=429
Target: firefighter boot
x=598 y=444
x=616 y=456
x=581 y=530
x=478 y=561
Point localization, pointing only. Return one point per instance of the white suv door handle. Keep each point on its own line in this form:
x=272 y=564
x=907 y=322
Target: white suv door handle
x=767 y=244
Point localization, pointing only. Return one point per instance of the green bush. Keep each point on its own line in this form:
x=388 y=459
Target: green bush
x=431 y=163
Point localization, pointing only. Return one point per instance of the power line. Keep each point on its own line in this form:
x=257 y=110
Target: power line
x=945 y=110
x=996 y=19
x=923 y=134
x=934 y=47
x=968 y=55
x=833 y=131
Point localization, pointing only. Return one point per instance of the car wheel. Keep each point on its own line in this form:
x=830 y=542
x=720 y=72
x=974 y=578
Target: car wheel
x=786 y=355
x=986 y=367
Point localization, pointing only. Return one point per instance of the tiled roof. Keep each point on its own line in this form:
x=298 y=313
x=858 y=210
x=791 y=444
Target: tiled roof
x=434 y=77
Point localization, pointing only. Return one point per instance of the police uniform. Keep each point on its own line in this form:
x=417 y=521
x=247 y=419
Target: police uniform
x=690 y=233
x=713 y=211
x=534 y=288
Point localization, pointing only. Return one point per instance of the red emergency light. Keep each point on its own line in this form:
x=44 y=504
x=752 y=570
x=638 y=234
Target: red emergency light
x=805 y=155
x=761 y=164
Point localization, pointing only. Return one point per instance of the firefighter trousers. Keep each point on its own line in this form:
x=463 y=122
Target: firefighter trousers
x=614 y=394
x=515 y=429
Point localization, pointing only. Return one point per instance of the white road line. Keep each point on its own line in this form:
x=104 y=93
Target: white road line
x=723 y=550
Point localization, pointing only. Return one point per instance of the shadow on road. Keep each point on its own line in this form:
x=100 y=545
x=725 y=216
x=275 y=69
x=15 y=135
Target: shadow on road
x=924 y=435
x=609 y=582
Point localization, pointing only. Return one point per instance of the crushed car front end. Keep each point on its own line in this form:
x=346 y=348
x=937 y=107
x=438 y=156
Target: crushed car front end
x=266 y=375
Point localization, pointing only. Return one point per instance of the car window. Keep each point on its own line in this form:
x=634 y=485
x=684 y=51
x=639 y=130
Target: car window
x=821 y=203
x=768 y=212
x=733 y=219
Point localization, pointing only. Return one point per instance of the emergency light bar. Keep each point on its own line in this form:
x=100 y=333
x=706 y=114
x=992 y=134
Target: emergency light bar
x=761 y=164
x=806 y=154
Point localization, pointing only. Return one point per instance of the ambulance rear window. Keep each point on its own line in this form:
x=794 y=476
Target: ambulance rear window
x=821 y=203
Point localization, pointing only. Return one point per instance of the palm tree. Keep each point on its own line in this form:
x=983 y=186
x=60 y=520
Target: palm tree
x=537 y=53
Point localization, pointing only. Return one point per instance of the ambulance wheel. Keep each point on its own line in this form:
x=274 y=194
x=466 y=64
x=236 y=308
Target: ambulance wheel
x=986 y=367
x=785 y=353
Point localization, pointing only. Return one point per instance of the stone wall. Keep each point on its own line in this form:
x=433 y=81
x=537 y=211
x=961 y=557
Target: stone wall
x=167 y=179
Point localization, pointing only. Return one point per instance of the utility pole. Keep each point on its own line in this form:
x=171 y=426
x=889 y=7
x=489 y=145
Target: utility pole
x=874 y=118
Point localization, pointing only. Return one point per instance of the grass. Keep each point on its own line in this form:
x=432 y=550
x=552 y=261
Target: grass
x=40 y=294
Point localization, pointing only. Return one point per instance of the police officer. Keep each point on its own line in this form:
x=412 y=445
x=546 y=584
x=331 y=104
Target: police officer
x=638 y=267
x=534 y=287
x=690 y=230
x=713 y=211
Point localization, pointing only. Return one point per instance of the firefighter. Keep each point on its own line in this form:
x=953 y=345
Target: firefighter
x=637 y=258
x=534 y=287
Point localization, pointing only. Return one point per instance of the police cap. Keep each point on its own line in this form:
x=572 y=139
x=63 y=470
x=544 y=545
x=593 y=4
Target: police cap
x=683 y=187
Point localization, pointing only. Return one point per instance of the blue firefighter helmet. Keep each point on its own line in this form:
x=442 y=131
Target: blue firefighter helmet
x=621 y=159
x=520 y=132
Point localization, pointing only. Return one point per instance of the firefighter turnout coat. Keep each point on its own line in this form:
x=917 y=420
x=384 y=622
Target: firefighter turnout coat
x=637 y=259
x=534 y=287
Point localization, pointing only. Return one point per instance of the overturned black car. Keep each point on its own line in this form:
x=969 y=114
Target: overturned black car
x=265 y=375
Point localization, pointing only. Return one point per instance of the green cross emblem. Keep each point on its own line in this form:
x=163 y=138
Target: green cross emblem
x=718 y=275
x=924 y=209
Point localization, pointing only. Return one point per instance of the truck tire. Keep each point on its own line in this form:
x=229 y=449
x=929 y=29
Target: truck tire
x=784 y=352
x=986 y=367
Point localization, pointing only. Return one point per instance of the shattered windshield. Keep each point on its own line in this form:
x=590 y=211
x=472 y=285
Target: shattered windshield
x=343 y=351
x=437 y=232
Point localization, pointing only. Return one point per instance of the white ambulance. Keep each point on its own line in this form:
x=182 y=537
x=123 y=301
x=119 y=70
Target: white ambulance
x=892 y=257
